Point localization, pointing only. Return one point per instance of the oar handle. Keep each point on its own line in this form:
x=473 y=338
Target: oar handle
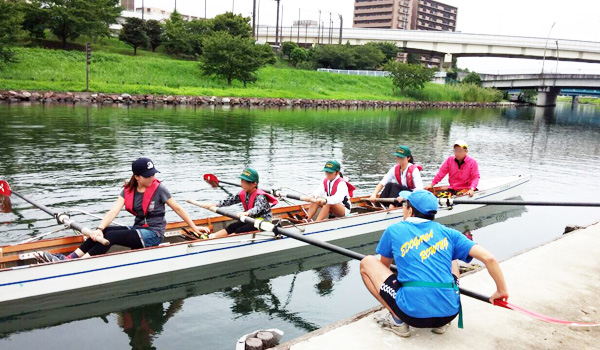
x=62 y=219
x=310 y=199
x=267 y=226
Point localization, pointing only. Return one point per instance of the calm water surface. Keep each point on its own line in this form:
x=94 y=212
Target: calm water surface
x=76 y=157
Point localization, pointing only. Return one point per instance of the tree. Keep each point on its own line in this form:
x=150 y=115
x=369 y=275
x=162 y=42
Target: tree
x=198 y=29
x=134 y=34
x=176 y=38
x=334 y=56
x=287 y=48
x=236 y=25
x=68 y=19
x=413 y=58
x=472 y=78
x=267 y=54
x=367 y=57
x=389 y=49
x=154 y=32
x=406 y=76
x=36 y=19
x=298 y=55
x=11 y=19
x=231 y=57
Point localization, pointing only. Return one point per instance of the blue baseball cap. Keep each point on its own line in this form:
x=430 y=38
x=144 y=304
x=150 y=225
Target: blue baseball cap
x=143 y=167
x=424 y=201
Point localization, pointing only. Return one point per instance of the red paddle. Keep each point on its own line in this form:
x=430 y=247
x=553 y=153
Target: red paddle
x=5 y=192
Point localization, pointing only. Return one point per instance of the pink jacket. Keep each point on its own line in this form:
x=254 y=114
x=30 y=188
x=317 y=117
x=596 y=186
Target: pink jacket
x=466 y=177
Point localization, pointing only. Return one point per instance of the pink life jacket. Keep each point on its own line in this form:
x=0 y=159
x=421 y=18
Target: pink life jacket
x=272 y=200
x=410 y=182
x=148 y=194
x=335 y=185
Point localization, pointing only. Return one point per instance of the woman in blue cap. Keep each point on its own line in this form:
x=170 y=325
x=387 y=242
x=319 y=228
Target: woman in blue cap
x=335 y=194
x=404 y=176
x=145 y=198
x=256 y=202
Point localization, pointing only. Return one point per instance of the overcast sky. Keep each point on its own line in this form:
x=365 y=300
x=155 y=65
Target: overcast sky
x=575 y=19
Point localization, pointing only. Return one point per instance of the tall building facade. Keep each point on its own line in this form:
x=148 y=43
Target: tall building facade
x=406 y=15
x=128 y=5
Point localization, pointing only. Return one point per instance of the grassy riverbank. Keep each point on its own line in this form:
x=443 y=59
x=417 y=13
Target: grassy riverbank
x=582 y=100
x=156 y=73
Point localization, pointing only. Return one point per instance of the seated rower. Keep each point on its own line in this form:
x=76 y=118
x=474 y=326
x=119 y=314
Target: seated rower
x=145 y=198
x=404 y=176
x=257 y=204
x=423 y=292
x=335 y=194
x=462 y=170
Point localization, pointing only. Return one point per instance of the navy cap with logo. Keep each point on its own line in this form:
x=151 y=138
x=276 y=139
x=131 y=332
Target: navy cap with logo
x=422 y=200
x=143 y=167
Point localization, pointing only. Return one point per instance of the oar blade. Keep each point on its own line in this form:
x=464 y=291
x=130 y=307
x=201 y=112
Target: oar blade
x=212 y=180
x=5 y=192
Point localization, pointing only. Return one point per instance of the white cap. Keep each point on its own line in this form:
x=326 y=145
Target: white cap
x=461 y=143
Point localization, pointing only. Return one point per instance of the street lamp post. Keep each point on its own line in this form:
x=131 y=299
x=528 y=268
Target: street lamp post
x=556 y=68
x=341 y=25
x=546 y=46
x=277 y=25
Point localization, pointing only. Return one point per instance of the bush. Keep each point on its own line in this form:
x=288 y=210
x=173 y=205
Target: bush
x=287 y=48
x=472 y=78
x=298 y=55
x=409 y=76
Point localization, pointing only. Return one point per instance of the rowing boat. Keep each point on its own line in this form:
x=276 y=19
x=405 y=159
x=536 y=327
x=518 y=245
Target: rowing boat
x=22 y=277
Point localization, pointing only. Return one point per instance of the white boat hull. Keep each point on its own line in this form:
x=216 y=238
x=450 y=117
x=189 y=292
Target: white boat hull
x=41 y=279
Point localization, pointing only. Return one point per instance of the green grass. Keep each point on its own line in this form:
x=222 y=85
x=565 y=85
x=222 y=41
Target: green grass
x=115 y=70
x=583 y=100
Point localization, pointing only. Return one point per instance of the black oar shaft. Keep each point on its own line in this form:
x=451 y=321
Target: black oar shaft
x=515 y=202
x=318 y=243
x=61 y=218
x=274 y=192
x=38 y=205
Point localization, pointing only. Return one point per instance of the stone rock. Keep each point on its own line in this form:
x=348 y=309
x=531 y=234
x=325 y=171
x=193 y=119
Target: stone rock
x=26 y=94
x=225 y=100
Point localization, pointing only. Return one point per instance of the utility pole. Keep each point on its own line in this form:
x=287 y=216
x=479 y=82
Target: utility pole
x=175 y=5
x=142 y=10
x=232 y=6
x=277 y=25
x=281 y=35
x=298 y=39
x=341 y=26
x=205 y=10
x=319 y=29
x=330 y=29
x=253 y=18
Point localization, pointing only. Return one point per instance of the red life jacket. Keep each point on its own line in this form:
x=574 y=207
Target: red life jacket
x=335 y=186
x=272 y=200
x=410 y=182
x=148 y=194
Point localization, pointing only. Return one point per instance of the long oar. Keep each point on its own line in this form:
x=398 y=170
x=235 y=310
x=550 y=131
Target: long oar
x=61 y=218
x=267 y=226
x=380 y=200
x=214 y=181
x=451 y=201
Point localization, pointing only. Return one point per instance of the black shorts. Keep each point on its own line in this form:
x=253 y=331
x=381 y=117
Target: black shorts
x=239 y=227
x=388 y=293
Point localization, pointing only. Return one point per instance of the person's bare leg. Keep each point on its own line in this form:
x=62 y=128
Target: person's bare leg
x=338 y=210
x=220 y=234
x=455 y=269
x=374 y=273
x=311 y=211
x=324 y=213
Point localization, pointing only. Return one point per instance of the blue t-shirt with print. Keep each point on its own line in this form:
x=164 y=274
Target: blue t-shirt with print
x=423 y=250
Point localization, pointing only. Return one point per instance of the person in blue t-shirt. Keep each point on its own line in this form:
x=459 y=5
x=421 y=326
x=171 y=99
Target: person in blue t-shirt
x=424 y=292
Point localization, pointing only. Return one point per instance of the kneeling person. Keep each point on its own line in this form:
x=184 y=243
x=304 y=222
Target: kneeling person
x=424 y=292
x=257 y=204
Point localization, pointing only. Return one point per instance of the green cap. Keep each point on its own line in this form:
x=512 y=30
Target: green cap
x=402 y=152
x=250 y=175
x=332 y=166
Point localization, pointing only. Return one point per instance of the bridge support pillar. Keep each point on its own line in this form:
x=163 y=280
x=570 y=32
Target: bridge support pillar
x=547 y=96
x=575 y=100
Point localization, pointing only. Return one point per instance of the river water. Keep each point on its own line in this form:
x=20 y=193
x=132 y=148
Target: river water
x=76 y=157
